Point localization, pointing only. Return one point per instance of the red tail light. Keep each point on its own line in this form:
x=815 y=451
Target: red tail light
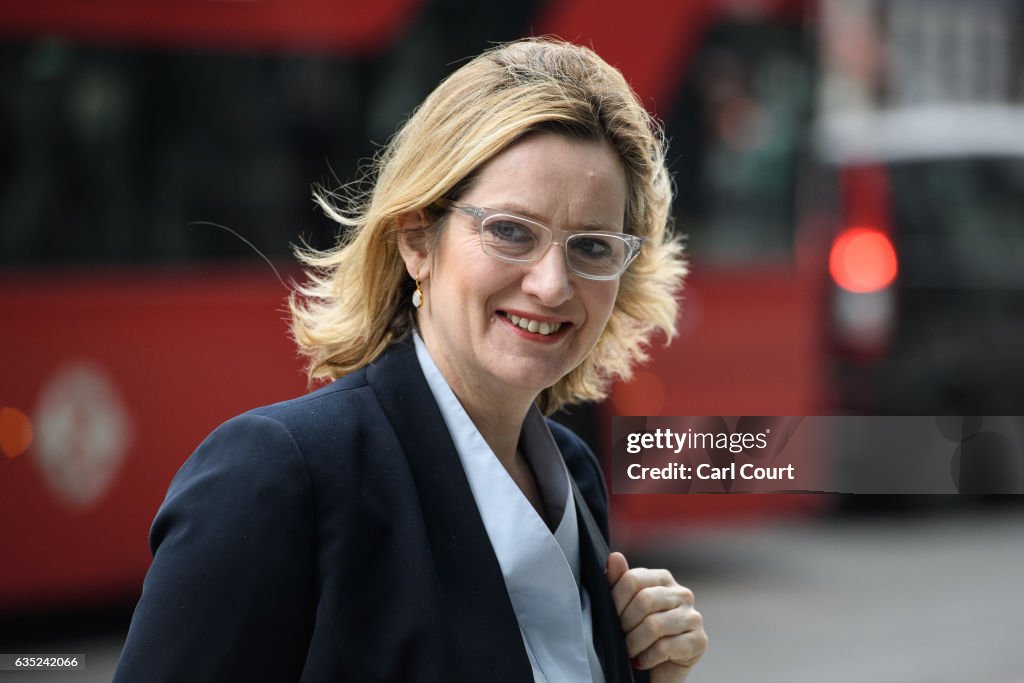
x=862 y=260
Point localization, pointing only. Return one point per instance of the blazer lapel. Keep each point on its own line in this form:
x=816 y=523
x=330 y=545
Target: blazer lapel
x=609 y=640
x=488 y=643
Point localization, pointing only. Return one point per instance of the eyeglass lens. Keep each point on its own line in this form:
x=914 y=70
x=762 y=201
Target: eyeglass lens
x=590 y=254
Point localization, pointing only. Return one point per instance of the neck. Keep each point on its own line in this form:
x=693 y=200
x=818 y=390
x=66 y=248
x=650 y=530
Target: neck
x=500 y=427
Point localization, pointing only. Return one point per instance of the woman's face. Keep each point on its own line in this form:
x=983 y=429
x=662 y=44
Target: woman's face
x=470 y=296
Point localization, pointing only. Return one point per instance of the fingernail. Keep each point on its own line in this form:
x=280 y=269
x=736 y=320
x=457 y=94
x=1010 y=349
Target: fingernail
x=635 y=662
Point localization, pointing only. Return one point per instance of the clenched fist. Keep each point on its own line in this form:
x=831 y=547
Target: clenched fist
x=664 y=633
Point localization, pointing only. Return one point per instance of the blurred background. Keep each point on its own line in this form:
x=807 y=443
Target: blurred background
x=850 y=180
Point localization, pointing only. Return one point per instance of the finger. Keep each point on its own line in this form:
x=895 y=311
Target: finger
x=654 y=599
x=617 y=566
x=670 y=673
x=635 y=580
x=683 y=651
x=660 y=625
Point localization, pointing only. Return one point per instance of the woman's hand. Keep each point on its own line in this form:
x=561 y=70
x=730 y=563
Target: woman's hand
x=664 y=633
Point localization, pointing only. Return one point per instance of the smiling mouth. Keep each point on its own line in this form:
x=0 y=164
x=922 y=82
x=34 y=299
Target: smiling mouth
x=534 y=326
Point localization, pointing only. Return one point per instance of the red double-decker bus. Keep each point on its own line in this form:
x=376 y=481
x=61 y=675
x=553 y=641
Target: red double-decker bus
x=143 y=141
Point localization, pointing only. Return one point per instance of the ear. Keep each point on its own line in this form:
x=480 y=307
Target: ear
x=412 y=243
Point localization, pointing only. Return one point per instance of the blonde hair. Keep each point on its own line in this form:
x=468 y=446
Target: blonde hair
x=356 y=301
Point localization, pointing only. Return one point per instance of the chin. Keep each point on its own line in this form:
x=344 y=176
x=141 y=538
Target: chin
x=530 y=377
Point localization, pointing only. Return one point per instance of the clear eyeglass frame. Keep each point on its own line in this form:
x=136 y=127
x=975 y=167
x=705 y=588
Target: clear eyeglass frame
x=484 y=217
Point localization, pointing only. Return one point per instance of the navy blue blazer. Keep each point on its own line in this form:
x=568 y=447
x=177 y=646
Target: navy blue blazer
x=334 y=537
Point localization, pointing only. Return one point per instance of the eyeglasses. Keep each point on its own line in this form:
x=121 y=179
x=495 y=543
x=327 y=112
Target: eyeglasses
x=596 y=255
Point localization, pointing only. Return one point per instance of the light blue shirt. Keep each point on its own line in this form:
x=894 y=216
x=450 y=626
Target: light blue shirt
x=541 y=568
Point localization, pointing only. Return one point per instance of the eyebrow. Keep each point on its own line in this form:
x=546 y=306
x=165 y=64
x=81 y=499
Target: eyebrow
x=512 y=207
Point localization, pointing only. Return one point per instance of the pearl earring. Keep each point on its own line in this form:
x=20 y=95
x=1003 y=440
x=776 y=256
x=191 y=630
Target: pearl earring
x=417 y=296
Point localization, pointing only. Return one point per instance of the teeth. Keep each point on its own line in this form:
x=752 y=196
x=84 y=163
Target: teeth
x=533 y=325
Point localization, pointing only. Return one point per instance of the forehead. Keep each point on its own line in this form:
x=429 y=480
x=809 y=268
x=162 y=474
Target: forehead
x=554 y=179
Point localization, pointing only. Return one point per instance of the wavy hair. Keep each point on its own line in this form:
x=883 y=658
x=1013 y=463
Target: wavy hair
x=355 y=301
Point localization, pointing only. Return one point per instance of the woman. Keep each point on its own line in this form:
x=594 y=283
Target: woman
x=418 y=519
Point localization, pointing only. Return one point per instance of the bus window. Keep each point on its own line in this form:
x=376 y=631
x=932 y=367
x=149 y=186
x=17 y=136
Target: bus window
x=736 y=133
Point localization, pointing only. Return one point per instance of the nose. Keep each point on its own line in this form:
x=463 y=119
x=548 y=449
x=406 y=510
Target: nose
x=548 y=279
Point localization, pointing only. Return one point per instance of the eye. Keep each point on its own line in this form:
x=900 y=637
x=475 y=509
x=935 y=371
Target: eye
x=509 y=232
x=593 y=248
